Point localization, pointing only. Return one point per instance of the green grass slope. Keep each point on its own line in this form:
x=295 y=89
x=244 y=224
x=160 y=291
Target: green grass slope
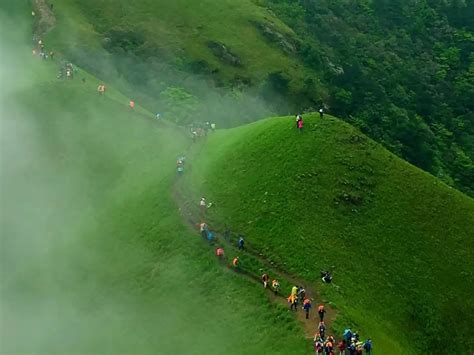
x=94 y=255
x=400 y=242
x=179 y=32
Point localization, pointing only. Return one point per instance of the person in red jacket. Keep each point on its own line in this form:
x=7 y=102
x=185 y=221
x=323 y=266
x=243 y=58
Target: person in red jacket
x=341 y=346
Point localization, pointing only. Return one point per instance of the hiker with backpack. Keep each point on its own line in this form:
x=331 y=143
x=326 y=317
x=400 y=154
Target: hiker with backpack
x=341 y=346
x=301 y=294
x=322 y=329
x=321 y=312
x=275 y=286
x=265 y=279
x=368 y=346
x=241 y=242
x=307 y=306
x=300 y=125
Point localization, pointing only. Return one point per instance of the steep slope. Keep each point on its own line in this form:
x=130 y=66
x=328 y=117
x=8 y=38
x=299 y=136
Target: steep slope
x=400 y=242
x=94 y=257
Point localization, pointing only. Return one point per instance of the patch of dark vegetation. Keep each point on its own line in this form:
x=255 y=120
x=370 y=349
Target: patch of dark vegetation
x=119 y=41
x=287 y=44
x=224 y=54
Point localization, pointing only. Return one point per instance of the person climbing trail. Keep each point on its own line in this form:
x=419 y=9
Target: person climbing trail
x=341 y=346
x=329 y=347
x=241 y=242
x=101 y=89
x=220 y=252
x=236 y=263
x=368 y=346
x=265 y=279
x=321 y=112
x=301 y=293
x=347 y=335
x=321 y=312
x=203 y=229
x=275 y=286
x=293 y=301
x=213 y=127
x=202 y=204
x=307 y=306
x=131 y=104
x=322 y=329
x=300 y=125
x=326 y=276
x=298 y=118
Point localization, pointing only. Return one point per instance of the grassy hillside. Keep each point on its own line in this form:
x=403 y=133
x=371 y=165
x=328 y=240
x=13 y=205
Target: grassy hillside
x=94 y=256
x=401 y=72
x=400 y=242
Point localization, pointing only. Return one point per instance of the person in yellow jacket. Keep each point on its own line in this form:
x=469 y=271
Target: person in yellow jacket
x=293 y=301
x=294 y=291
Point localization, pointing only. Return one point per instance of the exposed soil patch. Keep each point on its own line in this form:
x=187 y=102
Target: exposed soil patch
x=46 y=20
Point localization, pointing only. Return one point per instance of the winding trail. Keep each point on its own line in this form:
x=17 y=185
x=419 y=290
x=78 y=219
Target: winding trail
x=46 y=19
x=191 y=216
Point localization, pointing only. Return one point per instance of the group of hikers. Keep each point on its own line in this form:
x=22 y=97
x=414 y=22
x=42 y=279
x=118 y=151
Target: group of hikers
x=300 y=121
x=201 y=129
x=39 y=49
x=350 y=342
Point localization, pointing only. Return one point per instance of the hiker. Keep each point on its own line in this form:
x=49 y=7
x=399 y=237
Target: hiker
x=307 y=306
x=321 y=112
x=321 y=312
x=157 y=116
x=265 y=279
x=180 y=170
x=300 y=125
x=352 y=348
x=241 y=242
x=194 y=135
x=294 y=291
x=319 y=347
x=220 y=252
x=275 y=286
x=329 y=347
x=368 y=346
x=132 y=104
x=202 y=204
x=298 y=118
x=293 y=301
x=213 y=127
x=101 y=89
x=236 y=263
x=341 y=346
x=326 y=276
x=347 y=335
x=203 y=229
x=301 y=293
x=210 y=237
x=51 y=55
x=322 y=329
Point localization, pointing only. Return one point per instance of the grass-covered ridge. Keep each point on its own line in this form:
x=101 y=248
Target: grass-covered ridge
x=400 y=242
